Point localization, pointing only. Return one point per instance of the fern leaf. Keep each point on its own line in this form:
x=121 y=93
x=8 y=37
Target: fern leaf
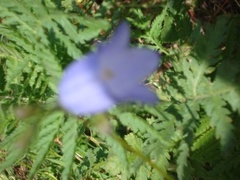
x=158 y=24
x=3 y=122
x=69 y=143
x=182 y=162
x=18 y=142
x=119 y=156
x=219 y=118
x=203 y=134
x=114 y=166
x=37 y=31
x=14 y=70
x=47 y=131
x=137 y=124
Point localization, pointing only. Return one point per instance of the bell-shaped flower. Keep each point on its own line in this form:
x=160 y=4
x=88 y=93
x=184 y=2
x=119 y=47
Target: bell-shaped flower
x=111 y=75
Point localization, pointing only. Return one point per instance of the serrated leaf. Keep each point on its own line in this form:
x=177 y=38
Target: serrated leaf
x=69 y=144
x=182 y=160
x=220 y=120
x=48 y=129
x=137 y=124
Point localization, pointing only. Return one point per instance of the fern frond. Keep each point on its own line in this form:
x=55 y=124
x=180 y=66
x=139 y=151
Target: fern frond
x=204 y=133
x=219 y=118
x=18 y=142
x=37 y=31
x=48 y=128
x=182 y=162
x=69 y=143
x=137 y=124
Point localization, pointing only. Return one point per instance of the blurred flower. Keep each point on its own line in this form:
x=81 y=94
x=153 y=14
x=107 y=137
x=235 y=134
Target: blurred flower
x=111 y=75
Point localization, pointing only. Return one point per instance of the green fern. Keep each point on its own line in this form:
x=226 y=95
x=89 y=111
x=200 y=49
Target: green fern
x=48 y=129
x=69 y=143
x=128 y=119
x=18 y=142
x=37 y=30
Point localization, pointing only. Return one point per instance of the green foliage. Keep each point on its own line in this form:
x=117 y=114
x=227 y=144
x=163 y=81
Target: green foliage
x=39 y=40
x=191 y=134
x=47 y=131
x=69 y=143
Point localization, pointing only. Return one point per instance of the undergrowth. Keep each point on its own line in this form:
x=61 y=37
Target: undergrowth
x=192 y=133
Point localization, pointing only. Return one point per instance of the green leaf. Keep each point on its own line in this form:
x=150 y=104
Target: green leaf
x=69 y=144
x=47 y=131
x=137 y=124
x=219 y=119
x=182 y=164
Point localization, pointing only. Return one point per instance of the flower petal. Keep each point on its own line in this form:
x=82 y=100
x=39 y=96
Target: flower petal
x=80 y=91
x=121 y=36
x=128 y=68
x=141 y=94
x=111 y=75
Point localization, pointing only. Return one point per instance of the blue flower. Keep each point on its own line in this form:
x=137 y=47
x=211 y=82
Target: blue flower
x=111 y=75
